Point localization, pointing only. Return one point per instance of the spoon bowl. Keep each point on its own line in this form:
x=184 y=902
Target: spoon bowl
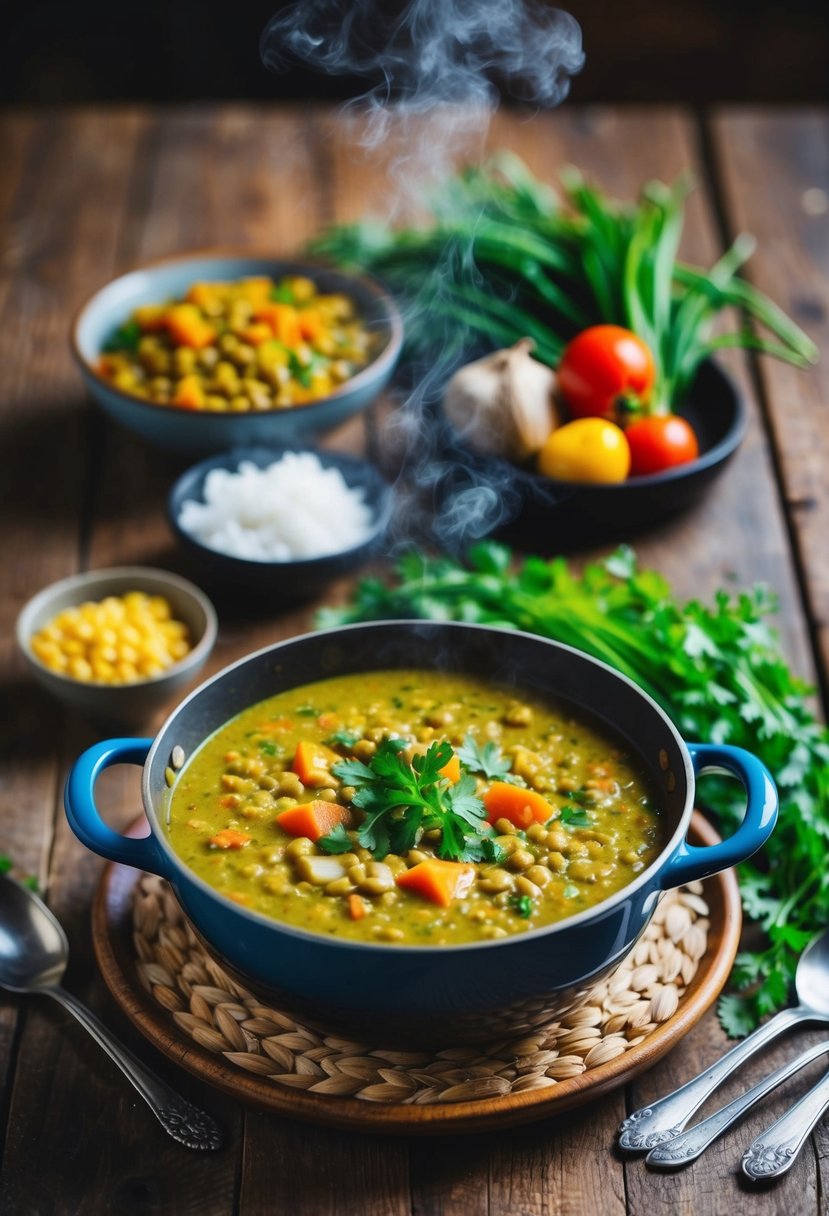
x=33 y=946
x=812 y=978
x=34 y=952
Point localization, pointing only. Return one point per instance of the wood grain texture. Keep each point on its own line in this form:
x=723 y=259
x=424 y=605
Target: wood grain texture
x=775 y=179
x=775 y=173
x=87 y=194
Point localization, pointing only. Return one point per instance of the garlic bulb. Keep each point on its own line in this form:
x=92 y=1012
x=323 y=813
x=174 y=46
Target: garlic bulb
x=503 y=405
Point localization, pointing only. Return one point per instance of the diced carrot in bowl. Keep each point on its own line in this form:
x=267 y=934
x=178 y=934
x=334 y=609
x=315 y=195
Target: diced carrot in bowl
x=314 y=819
x=187 y=326
x=520 y=806
x=452 y=770
x=189 y=393
x=438 y=881
x=312 y=762
x=151 y=317
x=229 y=838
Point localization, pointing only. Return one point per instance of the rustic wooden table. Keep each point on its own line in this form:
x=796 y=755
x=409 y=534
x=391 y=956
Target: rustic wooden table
x=85 y=194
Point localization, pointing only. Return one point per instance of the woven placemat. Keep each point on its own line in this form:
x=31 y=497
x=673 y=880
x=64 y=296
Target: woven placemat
x=207 y=1005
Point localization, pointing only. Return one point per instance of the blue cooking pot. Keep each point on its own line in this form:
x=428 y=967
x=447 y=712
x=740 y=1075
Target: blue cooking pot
x=416 y=992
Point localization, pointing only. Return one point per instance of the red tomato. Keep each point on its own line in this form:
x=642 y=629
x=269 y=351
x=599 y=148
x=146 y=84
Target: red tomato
x=660 y=442
x=602 y=365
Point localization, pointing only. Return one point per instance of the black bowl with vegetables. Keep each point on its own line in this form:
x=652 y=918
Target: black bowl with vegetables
x=505 y=261
x=547 y=511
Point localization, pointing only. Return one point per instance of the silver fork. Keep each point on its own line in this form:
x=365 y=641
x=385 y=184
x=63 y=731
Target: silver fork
x=691 y=1144
x=775 y=1150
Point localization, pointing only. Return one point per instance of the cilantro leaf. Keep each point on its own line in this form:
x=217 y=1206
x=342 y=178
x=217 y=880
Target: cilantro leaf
x=345 y=738
x=401 y=800
x=486 y=759
x=126 y=337
x=522 y=904
x=352 y=772
x=574 y=817
x=281 y=293
x=267 y=747
x=337 y=841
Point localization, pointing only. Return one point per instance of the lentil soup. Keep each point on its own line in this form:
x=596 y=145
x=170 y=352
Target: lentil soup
x=414 y=807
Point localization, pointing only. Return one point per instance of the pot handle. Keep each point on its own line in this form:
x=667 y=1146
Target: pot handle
x=83 y=815
x=691 y=862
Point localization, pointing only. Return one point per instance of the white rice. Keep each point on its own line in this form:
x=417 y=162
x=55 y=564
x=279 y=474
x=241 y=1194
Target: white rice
x=293 y=509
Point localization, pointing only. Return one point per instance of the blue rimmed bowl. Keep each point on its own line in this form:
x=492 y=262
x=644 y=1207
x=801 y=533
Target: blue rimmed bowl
x=199 y=432
x=416 y=994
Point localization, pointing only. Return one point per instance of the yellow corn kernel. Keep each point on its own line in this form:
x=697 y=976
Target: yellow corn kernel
x=119 y=640
x=147 y=669
x=79 y=669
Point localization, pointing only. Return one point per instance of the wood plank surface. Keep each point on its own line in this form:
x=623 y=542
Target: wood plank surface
x=775 y=175
x=775 y=180
x=88 y=194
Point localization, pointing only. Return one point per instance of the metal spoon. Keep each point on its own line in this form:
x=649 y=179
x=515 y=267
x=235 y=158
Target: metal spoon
x=691 y=1144
x=33 y=957
x=775 y=1150
x=662 y=1120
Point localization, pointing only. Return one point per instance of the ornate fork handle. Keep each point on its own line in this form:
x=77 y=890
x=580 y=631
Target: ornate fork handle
x=775 y=1150
x=665 y=1119
x=691 y=1144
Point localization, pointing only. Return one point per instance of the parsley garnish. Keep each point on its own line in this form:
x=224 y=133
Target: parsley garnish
x=305 y=711
x=486 y=759
x=345 y=738
x=267 y=747
x=281 y=293
x=574 y=817
x=401 y=801
x=522 y=904
x=337 y=841
x=126 y=337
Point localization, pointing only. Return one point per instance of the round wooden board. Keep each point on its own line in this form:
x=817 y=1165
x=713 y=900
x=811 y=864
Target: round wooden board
x=112 y=939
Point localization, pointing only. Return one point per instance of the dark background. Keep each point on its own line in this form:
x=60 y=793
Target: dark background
x=696 y=51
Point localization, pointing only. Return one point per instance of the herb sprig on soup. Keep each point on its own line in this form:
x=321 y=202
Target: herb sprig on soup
x=413 y=807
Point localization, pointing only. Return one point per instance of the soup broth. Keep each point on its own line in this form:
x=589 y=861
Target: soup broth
x=289 y=810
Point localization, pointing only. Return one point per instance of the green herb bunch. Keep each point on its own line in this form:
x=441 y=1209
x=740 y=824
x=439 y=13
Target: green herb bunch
x=719 y=673
x=505 y=258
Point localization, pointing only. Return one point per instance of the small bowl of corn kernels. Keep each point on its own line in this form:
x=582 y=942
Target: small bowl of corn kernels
x=117 y=644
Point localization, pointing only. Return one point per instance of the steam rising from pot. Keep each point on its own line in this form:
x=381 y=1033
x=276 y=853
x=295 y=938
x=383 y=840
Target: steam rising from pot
x=435 y=71
x=430 y=53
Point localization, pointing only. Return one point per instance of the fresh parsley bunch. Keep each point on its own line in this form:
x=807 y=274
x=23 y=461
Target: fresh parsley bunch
x=719 y=673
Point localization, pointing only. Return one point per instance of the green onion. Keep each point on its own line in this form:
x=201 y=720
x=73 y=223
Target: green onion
x=507 y=259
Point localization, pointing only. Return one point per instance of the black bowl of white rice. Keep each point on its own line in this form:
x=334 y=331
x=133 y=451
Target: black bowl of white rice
x=281 y=522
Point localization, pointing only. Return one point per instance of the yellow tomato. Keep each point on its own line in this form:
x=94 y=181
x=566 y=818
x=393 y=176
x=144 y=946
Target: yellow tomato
x=589 y=449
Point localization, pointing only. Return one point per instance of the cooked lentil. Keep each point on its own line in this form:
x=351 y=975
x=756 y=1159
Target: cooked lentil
x=255 y=344
x=561 y=869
